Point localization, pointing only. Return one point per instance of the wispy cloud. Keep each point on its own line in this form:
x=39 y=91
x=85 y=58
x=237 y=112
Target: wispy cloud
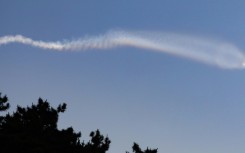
x=217 y=53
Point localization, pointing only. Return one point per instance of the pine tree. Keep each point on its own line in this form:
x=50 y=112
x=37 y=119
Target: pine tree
x=34 y=130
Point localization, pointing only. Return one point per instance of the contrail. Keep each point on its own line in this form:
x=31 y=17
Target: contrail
x=217 y=53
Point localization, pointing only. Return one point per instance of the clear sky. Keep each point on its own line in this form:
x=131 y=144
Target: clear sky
x=133 y=95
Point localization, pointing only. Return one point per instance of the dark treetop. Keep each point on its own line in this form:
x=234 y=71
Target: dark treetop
x=34 y=130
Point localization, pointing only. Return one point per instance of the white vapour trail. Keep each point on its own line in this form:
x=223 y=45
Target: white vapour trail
x=217 y=53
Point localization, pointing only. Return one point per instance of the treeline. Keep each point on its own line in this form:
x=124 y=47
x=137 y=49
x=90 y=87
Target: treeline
x=34 y=130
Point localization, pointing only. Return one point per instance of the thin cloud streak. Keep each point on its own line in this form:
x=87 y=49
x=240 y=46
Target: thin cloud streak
x=217 y=53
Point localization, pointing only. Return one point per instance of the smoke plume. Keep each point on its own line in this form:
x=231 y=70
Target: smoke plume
x=217 y=53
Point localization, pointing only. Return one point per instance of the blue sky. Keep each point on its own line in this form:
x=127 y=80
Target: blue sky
x=155 y=99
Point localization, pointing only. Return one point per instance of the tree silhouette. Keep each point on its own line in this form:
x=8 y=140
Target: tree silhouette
x=4 y=105
x=136 y=149
x=98 y=143
x=34 y=130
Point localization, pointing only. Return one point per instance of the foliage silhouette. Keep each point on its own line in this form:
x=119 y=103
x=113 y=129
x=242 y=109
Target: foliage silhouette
x=136 y=149
x=34 y=130
x=4 y=105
